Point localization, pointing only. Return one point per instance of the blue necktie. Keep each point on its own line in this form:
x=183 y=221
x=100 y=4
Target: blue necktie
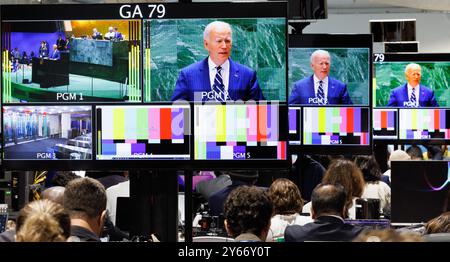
x=413 y=98
x=321 y=93
x=218 y=86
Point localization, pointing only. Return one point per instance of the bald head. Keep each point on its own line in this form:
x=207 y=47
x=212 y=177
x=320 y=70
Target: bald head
x=55 y=194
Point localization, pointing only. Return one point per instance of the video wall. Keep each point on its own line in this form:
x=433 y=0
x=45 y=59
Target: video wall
x=135 y=85
x=411 y=97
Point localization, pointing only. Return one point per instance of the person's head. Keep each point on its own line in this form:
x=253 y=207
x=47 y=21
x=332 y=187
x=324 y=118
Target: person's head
x=43 y=43
x=110 y=29
x=55 y=194
x=346 y=173
x=218 y=40
x=415 y=152
x=434 y=153
x=59 y=36
x=328 y=199
x=387 y=235
x=247 y=210
x=398 y=155
x=369 y=167
x=55 y=47
x=62 y=178
x=85 y=199
x=285 y=196
x=320 y=63
x=413 y=73
x=94 y=30
x=440 y=224
x=249 y=177
x=42 y=221
x=116 y=29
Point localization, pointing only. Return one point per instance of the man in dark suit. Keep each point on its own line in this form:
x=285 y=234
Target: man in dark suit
x=56 y=55
x=96 y=35
x=328 y=208
x=217 y=78
x=320 y=88
x=412 y=93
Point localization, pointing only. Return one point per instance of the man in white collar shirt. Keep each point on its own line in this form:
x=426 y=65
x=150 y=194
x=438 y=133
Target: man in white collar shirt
x=217 y=77
x=320 y=88
x=412 y=93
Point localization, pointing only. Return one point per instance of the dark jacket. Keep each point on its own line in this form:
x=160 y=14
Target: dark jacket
x=325 y=228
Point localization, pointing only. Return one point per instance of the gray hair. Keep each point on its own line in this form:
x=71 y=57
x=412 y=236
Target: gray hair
x=319 y=52
x=214 y=24
x=411 y=65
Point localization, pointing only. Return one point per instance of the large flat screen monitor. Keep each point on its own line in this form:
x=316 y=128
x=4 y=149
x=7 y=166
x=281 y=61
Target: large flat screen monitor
x=47 y=133
x=240 y=133
x=71 y=61
x=143 y=132
x=344 y=126
x=329 y=79
x=415 y=86
x=420 y=190
x=343 y=62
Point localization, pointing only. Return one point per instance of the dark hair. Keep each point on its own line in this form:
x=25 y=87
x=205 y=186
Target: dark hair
x=328 y=198
x=415 y=152
x=434 y=153
x=285 y=196
x=63 y=177
x=85 y=197
x=369 y=167
x=440 y=224
x=247 y=210
x=347 y=174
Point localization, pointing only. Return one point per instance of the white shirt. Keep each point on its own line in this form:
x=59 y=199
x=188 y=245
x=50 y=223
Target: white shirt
x=416 y=92
x=112 y=193
x=324 y=85
x=225 y=72
x=110 y=35
x=278 y=224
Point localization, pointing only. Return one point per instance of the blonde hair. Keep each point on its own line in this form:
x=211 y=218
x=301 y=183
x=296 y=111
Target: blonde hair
x=387 y=235
x=43 y=221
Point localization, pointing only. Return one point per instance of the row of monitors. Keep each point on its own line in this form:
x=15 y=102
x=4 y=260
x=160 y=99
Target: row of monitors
x=220 y=132
x=145 y=66
x=133 y=132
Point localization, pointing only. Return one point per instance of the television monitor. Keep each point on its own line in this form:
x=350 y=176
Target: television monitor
x=295 y=125
x=420 y=190
x=389 y=74
x=336 y=126
x=385 y=123
x=47 y=133
x=175 y=57
x=393 y=30
x=74 y=60
x=424 y=123
x=239 y=133
x=152 y=132
x=348 y=73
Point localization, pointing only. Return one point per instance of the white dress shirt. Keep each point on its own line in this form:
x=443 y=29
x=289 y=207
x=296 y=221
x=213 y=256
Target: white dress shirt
x=225 y=72
x=416 y=92
x=324 y=85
